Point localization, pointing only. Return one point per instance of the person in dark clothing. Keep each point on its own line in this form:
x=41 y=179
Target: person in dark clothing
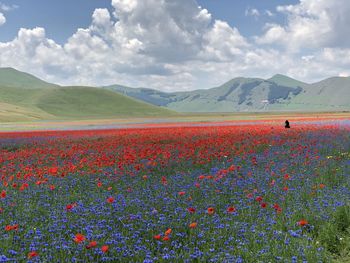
x=286 y=124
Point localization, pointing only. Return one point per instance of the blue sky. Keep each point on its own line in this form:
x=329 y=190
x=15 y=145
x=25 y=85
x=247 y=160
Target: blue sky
x=62 y=18
x=174 y=44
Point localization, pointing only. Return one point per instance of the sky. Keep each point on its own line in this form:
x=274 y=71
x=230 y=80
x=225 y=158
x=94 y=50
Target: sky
x=174 y=45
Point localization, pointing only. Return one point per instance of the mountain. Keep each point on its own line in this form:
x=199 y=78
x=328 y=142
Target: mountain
x=286 y=81
x=279 y=93
x=239 y=94
x=11 y=77
x=25 y=98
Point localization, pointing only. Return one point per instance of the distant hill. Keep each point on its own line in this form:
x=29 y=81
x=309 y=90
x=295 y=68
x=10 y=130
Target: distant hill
x=10 y=77
x=279 y=93
x=25 y=97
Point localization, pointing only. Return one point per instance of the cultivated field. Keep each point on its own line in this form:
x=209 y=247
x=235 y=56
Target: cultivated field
x=248 y=191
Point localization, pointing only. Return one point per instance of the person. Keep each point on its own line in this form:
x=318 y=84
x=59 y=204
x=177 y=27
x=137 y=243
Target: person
x=286 y=124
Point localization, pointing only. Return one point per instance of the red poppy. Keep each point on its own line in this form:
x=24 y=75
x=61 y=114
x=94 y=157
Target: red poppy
x=285 y=188
x=32 y=254
x=110 y=200
x=259 y=199
x=263 y=205
x=193 y=225
x=69 y=207
x=231 y=209
x=157 y=237
x=91 y=244
x=191 y=210
x=211 y=210
x=166 y=238
x=303 y=222
x=181 y=193
x=105 y=248
x=52 y=187
x=168 y=232
x=3 y=194
x=79 y=238
x=99 y=184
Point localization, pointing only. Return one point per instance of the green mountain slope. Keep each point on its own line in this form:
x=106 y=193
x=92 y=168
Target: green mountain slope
x=286 y=81
x=239 y=94
x=26 y=98
x=13 y=78
x=279 y=93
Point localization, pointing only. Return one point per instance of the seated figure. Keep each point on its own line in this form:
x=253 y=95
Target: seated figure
x=286 y=124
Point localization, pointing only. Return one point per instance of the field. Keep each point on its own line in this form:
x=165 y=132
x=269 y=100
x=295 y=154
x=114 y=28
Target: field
x=208 y=192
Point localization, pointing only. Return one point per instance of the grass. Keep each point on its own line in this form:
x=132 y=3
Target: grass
x=20 y=104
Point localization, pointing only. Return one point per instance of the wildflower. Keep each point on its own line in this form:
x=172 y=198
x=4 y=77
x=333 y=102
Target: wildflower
x=259 y=199
x=211 y=210
x=181 y=193
x=105 y=248
x=3 y=194
x=286 y=177
x=166 y=238
x=91 y=244
x=231 y=209
x=110 y=200
x=285 y=188
x=157 y=237
x=322 y=186
x=69 y=207
x=79 y=238
x=52 y=187
x=99 y=184
x=32 y=254
x=303 y=222
x=191 y=210
x=193 y=225
x=263 y=205
x=168 y=232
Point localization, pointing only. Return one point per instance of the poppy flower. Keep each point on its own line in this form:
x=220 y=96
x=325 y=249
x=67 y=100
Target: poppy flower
x=285 y=188
x=105 y=248
x=259 y=199
x=231 y=209
x=79 y=238
x=91 y=244
x=52 y=187
x=145 y=177
x=193 y=225
x=191 y=210
x=69 y=207
x=166 y=238
x=168 y=232
x=211 y=210
x=157 y=237
x=32 y=254
x=263 y=205
x=99 y=184
x=3 y=194
x=303 y=222
x=181 y=193
x=110 y=200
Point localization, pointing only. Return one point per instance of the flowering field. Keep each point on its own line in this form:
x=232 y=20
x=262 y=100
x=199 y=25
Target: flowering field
x=239 y=193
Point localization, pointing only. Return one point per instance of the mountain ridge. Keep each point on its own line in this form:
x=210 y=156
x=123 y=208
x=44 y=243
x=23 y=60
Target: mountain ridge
x=240 y=94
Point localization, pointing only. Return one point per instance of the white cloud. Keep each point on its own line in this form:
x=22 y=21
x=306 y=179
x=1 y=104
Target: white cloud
x=311 y=24
x=2 y=19
x=7 y=8
x=252 y=12
x=176 y=45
